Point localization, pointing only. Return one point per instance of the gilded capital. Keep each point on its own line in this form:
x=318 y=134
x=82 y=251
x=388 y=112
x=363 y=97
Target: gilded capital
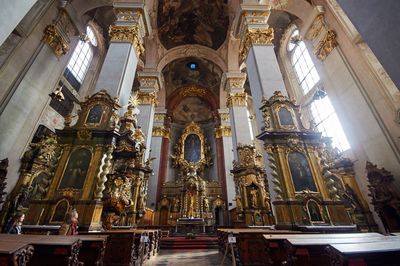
x=237 y=99
x=255 y=36
x=326 y=45
x=129 y=34
x=223 y=131
x=147 y=98
x=161 y=132
x=53 y=38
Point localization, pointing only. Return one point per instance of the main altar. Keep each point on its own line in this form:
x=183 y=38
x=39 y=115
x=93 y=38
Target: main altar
x=191 y=202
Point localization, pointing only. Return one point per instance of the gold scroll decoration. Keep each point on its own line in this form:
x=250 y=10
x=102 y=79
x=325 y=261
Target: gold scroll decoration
x=223 y=131
x=161 y=132
x=237 y=99
x=258 y=36
x=54 y=39
x=326 y=45
x=127 y=34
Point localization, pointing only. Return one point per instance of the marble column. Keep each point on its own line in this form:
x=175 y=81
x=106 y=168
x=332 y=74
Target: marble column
x=257 y=51
x=223 y=136
x=126 y=46
x=237 y=104
x=147 y=96
x=19 y=119
x=160 y=139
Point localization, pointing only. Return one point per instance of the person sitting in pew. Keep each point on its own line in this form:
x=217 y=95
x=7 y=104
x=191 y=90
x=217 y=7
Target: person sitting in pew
x=70 y=225
x=15 y=225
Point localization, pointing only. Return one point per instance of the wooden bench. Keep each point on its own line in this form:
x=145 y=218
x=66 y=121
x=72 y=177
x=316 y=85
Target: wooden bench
x=49 y=250
x=312 y=251
x=92 y=249
x=385 y=252
x=124 y=247
x=276 y=249
x=15 y=253
x=250 y=244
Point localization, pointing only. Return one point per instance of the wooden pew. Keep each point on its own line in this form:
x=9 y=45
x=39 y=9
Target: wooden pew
x=250 y=245
x=309 y=251
x=15 y=253
x=124 y=247
x=49 y=250
x=276 y=249
x=386 y=252
x=92 y=249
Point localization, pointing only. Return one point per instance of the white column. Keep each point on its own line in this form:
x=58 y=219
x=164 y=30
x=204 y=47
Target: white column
x=257 y=51
x=149 y=86
x=20 y=116
x=237 y=104
x=126 y=46
x=226 y=135
x=159 y=132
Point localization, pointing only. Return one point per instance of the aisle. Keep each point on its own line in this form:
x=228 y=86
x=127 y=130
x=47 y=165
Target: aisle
x=187 y=258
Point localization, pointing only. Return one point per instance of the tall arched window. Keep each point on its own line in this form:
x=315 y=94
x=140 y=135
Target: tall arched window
x=80 y=59
x=321 y=108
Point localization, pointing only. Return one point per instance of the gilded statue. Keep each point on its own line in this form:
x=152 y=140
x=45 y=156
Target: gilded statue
x=139 y=135
x=253 y=198
x=175 y=204
x=191 y=206
x=206 y=205
x=266 y=203
x=239 y=205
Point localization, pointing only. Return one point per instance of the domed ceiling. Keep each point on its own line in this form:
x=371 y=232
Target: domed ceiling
x=192 y=71
x=203 y=22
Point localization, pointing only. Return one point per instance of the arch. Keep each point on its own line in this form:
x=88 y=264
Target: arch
x=314 y=211
x=191 y=51
x=60 y=211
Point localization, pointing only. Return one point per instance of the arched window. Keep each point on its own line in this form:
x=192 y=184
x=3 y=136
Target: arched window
x=323 y=113
x=80 y=59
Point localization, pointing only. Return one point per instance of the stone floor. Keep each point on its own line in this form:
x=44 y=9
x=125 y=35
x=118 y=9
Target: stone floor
x=188 y=258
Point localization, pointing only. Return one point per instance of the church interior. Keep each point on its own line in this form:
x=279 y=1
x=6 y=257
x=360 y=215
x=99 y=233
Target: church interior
x=222 y=132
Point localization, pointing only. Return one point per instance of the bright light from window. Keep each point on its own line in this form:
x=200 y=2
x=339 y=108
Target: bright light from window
x=322 y=110
x=328 y=123
x=82 y=56
x=306 y=73
x=91 y=36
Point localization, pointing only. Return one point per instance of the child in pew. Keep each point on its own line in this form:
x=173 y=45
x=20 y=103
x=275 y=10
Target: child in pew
x=70 y=225
x=15 y=225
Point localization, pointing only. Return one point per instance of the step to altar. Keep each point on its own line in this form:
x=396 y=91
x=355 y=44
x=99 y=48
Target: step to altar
x=181 y=242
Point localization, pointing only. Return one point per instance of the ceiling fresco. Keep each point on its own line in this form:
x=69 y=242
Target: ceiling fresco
x=192 y=109
x=203 y=22
x=178 y=74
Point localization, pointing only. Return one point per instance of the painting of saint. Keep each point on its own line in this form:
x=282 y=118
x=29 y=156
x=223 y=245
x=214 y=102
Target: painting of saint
x=301 y=173
x=76 y=170
x=192 y=148
x=314 y=211
x=285 y=117
x=94 y=116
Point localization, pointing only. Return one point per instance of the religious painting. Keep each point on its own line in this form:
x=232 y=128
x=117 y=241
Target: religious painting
x=192 y=109
x=192 y=150
x=314 y=212
x=301 y=172
x=60 y=211
x=201 y=22
x=76 y=170
x=285 y=117
x=95 y=114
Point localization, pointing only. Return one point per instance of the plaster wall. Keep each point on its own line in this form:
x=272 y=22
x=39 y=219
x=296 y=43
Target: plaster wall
x=11 y=13
x=366 y=17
